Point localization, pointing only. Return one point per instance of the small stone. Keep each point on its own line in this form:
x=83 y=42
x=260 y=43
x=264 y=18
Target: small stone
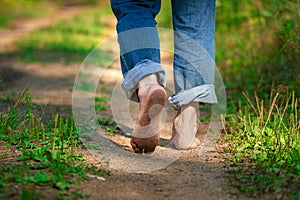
x=100 y=178
x=128 y=134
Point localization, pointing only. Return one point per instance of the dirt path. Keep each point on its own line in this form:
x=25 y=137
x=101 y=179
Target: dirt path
x=189 y=177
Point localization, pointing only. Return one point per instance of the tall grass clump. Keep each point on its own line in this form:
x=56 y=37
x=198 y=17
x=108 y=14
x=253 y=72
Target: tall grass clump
x=265 y=141
x=46 y=154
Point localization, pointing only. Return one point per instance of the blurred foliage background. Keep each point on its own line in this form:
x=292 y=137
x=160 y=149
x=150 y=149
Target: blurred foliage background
x=257 y=42
x=16 y=9
x=258 y=45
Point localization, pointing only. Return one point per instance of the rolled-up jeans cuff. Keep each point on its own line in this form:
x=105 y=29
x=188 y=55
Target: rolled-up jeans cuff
x=140 y=70
x=203 y=93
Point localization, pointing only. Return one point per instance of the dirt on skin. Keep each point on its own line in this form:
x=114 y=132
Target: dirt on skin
x=189 y=177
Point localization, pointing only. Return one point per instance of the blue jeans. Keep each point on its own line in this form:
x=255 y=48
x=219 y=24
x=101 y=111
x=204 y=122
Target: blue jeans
x=194 y=55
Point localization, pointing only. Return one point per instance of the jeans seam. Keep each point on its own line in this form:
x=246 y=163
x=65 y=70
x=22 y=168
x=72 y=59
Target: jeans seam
x=125 y=64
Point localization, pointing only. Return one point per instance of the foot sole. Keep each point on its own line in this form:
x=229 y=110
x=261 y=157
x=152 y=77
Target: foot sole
x=145 y=136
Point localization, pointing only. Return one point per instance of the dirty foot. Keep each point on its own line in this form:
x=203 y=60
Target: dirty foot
x=145 y=136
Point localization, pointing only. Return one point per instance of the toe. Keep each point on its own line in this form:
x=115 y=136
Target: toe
x=135 y=148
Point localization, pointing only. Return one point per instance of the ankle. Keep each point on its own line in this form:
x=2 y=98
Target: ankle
x=148 y=80
x=146 y=83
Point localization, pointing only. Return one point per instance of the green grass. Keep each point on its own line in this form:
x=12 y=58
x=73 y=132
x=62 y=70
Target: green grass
x=11 y=10
x=67 y=41
x=258 y=46
x=164 y=17
x=102 y=101
x=265 y=141
x=108 y=125
x=48 y=154
x=257 y=51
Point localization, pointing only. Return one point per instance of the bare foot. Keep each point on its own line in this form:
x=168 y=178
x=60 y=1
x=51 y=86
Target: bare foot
x=185 y=128
x=145 y=136
x=182 y=146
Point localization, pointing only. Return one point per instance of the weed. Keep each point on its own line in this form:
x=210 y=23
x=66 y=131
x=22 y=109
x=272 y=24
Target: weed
x=266 y=146
x=47 y=151
x=102 y=97
x=164 y=17
x=100 y=107
x=108 y=125
x=100 y=101
x=258 y=50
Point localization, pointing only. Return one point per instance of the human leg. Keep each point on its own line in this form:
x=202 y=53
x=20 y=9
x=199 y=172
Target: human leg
x=194 y=65
x=194 y=26
x=139 y=42
x=144 y=77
